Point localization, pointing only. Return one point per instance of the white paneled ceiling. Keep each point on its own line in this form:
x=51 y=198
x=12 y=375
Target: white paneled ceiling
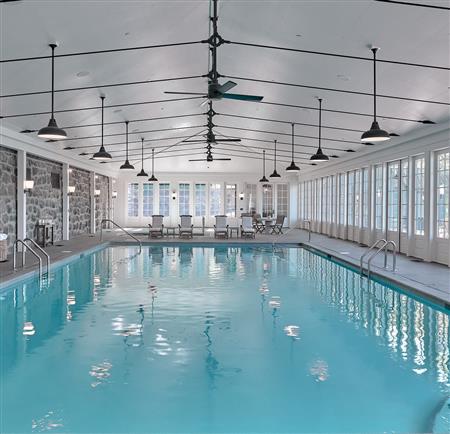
x=404 y=33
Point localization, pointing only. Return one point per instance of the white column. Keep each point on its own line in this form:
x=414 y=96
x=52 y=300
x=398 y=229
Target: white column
x=428 y=207
x=65 y=201
x=411 y=188
x=371 y=203
x=92 y=203
x=21 y=196
x=292 y=204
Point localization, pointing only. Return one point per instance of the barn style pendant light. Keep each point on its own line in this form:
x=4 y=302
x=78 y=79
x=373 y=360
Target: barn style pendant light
x=264 y=179
x=127 y=164
x=319 y=155
x=52 y=131
x=292 y=167
x=275 y=174
x=102 y=154
x=153 y=177
x=142 y=172
x=375 y=134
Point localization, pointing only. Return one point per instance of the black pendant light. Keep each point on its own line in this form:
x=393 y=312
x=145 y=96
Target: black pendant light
x=275 y=174
x=292 y=167
x=375 y=134
x=51 y=131
x=153 y=177
x=102 y=154
x=319 y=155
x=127 y=164
x=264 y=179
x=142 y=172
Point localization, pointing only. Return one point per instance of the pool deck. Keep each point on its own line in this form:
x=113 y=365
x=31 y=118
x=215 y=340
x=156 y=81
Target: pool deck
x=427 y=279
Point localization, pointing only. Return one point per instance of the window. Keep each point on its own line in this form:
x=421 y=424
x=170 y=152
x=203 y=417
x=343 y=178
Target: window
x=379 y=197
x=419 y=195
x=183 y=202
x=351 y=199
x=133 y=199
x=267 y=209
x=324 y=199
x=442 y=193
x=330 y=199
x=215 y=199
x=147 y=199
x=404 y=196
x=250 y=191
x=282 y=199
x=365 y=197
x=308 y=200
x=164 y=196
x=230 y=200
x=393 y=184
x=357 y=198
x=200 y=200
x=342 y=181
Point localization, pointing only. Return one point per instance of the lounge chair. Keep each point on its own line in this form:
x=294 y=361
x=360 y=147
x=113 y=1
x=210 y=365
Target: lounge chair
x=221 y=227
x=258 y=224
x=278 y=225
x=247 y=229
x=186 y=227
x=156 y=229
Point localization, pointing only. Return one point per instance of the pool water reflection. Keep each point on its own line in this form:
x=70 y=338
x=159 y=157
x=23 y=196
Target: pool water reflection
x=218 y=339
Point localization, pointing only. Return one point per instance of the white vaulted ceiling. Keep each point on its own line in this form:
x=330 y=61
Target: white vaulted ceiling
x=404 y=33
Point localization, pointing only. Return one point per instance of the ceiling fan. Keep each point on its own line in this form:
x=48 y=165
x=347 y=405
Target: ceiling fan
x=216 y=90
x=210 y=139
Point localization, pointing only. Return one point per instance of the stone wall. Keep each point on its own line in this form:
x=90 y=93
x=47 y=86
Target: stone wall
x=8 y=190
x=80 y=202
x=44 y=201
x=102 y=202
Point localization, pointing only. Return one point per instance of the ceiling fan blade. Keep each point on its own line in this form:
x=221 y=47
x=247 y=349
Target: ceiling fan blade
x=199 y=159
x=226 y=86
x=186 y=93
x=227 y=140
x=240 y=97
x=222 y=159
x=194 y=141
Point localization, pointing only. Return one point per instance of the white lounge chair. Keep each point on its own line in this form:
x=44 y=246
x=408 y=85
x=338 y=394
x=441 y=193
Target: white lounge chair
x=186 y=227
x=247 y=229
x=221 y=227
x=157 y=227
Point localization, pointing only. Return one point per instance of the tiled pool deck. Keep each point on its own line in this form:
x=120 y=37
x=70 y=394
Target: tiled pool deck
x=429 y=279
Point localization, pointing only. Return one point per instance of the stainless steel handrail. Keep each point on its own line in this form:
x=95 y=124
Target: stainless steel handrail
x=309 y=228
x=47 y=256
x=384 y=246
x=23 y=256
x=120 y=227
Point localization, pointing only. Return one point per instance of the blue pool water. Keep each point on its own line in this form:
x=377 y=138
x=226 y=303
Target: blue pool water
x=218 y=339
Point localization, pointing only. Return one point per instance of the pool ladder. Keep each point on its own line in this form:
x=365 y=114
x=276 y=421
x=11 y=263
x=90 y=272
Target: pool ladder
x=121 y=228
x=377 y=247
x=25 y=246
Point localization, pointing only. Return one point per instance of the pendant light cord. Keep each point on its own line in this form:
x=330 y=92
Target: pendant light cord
x=320 y=120
x=103 y=107
x=264 y=163
x=153 y=161
x=275 y=156
x=142 y=153
x=374 y=51
x=292 y=140
x=126 y=125
x=53 y=46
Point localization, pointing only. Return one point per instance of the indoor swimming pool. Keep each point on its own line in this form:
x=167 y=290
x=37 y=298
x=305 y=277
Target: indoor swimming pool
x=219 y=339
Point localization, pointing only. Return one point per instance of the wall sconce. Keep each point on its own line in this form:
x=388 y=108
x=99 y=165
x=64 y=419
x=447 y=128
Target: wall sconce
x=97 y=193
x=174 y=195
x=241 y=196
x=114 y=194
x=70 y=190
x=28 y=185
